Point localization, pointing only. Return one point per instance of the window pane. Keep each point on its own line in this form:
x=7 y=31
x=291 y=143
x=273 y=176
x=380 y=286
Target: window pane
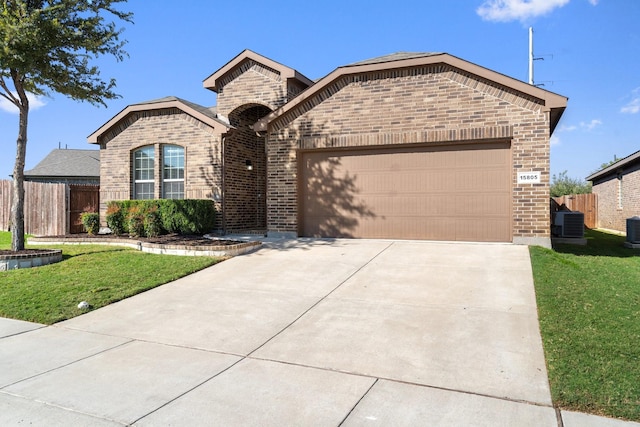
x=173 y=172
x=144 y=190
x=173 y=190
x=173 y=158
x=143 y=173
x=143 y=164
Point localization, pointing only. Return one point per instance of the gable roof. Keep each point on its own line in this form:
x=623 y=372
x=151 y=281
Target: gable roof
x=68 y=163
x=212 y=82
x=553 y=103
x=203 y=114
x=394 y=57
x=633 y=159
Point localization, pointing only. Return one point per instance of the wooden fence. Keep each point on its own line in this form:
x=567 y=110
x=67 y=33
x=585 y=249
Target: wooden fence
x=48 y=207
x=585 y=203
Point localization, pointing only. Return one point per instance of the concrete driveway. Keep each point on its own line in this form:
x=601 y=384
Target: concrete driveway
x=306 y=332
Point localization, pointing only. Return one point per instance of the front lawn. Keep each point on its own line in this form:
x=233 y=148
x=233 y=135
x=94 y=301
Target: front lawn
x=97 y=274
x=589 y=308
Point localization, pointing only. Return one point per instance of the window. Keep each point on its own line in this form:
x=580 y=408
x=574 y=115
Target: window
x=173 y=172
x=619 y=191
x=143 y=160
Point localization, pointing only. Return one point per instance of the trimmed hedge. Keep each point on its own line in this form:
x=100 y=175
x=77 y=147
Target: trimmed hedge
x=153 y=217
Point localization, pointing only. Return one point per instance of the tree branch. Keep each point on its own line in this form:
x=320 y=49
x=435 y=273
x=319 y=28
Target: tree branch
x=8 y=95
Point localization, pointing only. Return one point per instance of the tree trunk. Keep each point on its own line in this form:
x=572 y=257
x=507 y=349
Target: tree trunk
x=17 y=201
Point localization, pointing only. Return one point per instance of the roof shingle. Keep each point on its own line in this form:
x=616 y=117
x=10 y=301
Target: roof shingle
x=68 y=163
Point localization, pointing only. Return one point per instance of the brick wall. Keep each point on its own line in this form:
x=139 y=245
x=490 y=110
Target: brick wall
x=252 y=83
x=618 y=199
x=202 y=145
x=431 y=104
x=245 y=205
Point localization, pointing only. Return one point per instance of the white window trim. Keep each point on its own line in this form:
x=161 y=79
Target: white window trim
x=620 y=192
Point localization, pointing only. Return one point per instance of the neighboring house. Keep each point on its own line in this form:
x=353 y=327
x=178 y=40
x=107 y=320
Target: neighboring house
x=618 y=190
x=409 y=145
x=67 y=166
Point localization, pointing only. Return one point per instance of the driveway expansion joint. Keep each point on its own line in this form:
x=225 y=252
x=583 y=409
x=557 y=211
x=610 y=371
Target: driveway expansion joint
x=323 y=298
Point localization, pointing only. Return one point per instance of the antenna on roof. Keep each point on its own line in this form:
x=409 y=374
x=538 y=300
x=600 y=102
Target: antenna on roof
x=532 y=58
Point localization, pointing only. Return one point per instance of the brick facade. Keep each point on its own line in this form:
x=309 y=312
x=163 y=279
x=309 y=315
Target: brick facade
x=434 y=104
x=245 y=204
x=264 y=123
x=253 y=83
x=202 y=151
x=618 y=198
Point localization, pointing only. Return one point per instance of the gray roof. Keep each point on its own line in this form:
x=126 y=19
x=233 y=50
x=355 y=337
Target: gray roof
x=68 y=163
x=616 y=167
x=398 y=56
x=207 y=111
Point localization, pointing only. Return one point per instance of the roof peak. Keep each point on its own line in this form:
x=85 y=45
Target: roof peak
x=397 y=56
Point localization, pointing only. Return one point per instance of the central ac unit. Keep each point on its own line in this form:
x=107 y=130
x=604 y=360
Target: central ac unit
x=570 y=224
x=633 y=229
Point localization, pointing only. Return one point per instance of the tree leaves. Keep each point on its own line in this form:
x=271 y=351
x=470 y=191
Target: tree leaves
x=562 y=185
x=49 y=45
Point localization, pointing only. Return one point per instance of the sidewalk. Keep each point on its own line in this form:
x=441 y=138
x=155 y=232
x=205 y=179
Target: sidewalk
x=307 y=332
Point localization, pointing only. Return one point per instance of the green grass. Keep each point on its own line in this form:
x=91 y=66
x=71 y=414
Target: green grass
x=97 y=274
x=589 y=309
x=5 y=240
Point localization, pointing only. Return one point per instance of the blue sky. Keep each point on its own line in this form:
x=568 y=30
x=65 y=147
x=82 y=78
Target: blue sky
x=591 y=51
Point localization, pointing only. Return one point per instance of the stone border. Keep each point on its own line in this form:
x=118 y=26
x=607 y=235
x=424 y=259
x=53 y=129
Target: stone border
x=155 y=248
x=17 y=261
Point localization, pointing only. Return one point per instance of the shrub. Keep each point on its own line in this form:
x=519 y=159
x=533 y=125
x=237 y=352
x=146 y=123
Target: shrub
x=153 y=217
x=115 y=218
x=91 y=222
x=187 y=216
x=135 y=221
x=152 y=223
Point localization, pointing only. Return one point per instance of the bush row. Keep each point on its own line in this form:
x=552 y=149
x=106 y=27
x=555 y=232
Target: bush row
x=150 y=218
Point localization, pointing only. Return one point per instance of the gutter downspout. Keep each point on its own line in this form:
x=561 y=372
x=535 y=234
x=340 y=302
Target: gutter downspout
x=223 y=189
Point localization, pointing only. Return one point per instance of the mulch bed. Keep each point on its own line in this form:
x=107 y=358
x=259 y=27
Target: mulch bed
x=5 y=252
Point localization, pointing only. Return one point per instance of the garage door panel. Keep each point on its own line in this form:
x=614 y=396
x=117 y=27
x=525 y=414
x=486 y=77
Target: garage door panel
x=442 y=193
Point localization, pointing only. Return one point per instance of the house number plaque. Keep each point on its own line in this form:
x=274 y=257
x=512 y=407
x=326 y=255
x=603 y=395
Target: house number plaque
x=528 y=177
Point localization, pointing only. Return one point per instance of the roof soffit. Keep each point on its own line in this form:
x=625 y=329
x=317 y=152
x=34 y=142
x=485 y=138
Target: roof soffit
x=552 y=102
x=213 y=81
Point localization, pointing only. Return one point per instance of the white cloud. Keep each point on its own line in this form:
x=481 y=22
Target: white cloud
x=565 y=128
x=594 y=2
x=633 y=106
x=585 y=126
x=590 y=125
x=511 y=10
x=554 y=140
x=35 y=102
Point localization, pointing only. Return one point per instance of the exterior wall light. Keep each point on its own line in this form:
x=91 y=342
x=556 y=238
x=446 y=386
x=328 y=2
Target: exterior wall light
x=249 y=165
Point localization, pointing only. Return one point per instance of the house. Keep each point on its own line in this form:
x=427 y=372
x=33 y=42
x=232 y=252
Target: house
x=67 y=166
x=618 y=192
x=408 y=145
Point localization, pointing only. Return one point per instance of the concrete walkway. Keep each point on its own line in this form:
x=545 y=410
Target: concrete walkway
x=305 y=332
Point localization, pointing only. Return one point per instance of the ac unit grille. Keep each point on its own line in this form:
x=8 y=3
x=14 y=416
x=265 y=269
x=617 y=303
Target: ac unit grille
x=571 y=224
x=633 y=230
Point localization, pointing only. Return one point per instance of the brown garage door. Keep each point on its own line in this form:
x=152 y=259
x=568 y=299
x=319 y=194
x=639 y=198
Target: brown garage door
x=460 y=192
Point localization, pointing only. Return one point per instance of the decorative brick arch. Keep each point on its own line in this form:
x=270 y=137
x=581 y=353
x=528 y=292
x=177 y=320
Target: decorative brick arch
x=245 y=171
